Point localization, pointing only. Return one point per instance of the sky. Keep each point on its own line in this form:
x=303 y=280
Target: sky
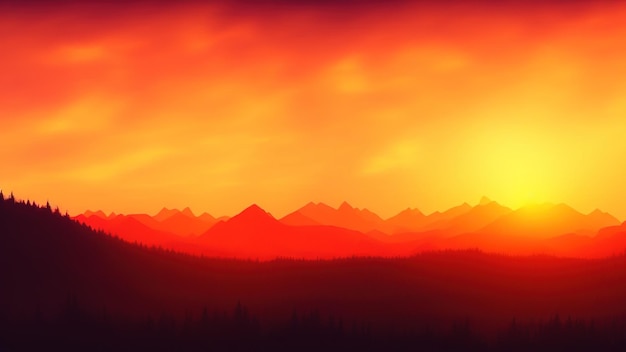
x=134 y=106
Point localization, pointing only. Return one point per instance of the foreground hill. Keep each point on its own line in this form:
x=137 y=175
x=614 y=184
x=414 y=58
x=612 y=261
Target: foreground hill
x=45 y=252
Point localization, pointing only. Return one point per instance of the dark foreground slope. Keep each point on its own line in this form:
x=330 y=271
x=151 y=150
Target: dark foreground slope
x=67 y=286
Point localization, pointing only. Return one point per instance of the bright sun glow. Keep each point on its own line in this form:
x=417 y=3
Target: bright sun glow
x=519 y=167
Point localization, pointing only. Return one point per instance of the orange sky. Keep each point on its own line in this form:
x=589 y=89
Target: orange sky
x=129 y=108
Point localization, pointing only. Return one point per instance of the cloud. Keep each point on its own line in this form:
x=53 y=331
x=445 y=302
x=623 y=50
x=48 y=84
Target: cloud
x=397 y=156
x=348 y=76
x=84 y=115
x=111 y=169
x=79 y=54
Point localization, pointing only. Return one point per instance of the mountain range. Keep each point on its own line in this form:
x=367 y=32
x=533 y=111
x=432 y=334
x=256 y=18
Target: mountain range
x=61 y=277
x=318 y=230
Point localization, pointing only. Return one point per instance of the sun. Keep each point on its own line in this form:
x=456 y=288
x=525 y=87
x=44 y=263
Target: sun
x=522 y=173
x=518 y=168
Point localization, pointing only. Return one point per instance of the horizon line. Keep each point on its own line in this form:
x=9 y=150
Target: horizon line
x=482 y=201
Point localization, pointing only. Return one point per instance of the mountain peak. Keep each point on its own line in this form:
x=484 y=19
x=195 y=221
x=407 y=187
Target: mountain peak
x=484 y=200
x=164 y=214
x=407 y=214
x=315 y=211
x=604 y=218
x=597 y=211
x=253 y=217
x=311 y=206
x=187 y=211
x=254 y=211
x=345 y=206
x=412 y=211
x=98 y=213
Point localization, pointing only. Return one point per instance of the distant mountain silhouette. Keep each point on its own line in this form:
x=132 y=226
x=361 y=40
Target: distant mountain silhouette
x=610 y=231
x=541 y=228
x=545 y=221
x=345 y=216
x=484 y=201
x=598 y=219
x=252 y=218
x=142 y=218
x=476 y=218
x=255 y=233
x=98 y=213
x=412 y=226
x=318 y=212
x=298 y=219
x=130 y=229
x=164 y=214
x=318 y=230
x=407 y=220
x=365 y=214
x=182 y=223
x=187 y=212
x=608 y=241
x=439 y=220
x=210 y=219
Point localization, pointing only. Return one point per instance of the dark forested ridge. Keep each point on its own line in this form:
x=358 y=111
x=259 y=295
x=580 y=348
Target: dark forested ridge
x=65 y=285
